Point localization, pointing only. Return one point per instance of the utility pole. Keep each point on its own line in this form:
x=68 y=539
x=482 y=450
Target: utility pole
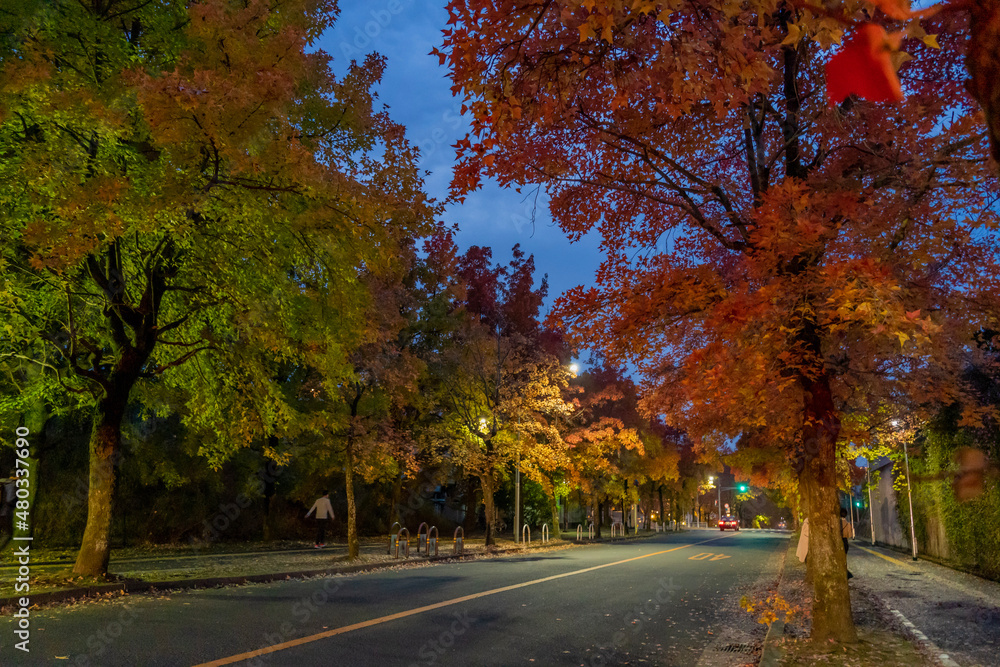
x=871 y=510
x=909 y=497
x=517 y=489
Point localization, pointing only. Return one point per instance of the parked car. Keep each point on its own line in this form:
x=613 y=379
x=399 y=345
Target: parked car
x=782 y=525
x=729 y=522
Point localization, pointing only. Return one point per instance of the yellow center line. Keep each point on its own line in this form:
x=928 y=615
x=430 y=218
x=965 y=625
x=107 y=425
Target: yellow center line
x=888 y=558
x=431 y=607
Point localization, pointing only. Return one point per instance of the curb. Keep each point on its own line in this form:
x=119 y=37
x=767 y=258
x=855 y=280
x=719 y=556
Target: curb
x=128 y=587
x=770 y=653
x=925 y=645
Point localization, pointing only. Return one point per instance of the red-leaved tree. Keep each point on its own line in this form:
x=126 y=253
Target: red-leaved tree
x=772 y=263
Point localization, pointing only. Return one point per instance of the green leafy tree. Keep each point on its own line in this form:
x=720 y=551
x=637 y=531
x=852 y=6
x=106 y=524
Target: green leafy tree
x=187 y=186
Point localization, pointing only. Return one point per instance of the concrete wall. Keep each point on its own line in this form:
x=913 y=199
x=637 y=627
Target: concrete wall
x=884 y=504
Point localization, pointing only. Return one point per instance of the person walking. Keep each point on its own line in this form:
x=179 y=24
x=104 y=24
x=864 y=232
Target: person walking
x=324 y=512
x=846 y=532
x=7 y=500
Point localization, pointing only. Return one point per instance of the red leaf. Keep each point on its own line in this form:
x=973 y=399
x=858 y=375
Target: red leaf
x=864 y=68
x=894 y=9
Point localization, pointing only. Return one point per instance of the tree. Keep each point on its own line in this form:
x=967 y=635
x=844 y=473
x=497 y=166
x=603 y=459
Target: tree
x=501 y=384
x=187 y=185
x=867 y=64
x=604 y=427
x=772 y=263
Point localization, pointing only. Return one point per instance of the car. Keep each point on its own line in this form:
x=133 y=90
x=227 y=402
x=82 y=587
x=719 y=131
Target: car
x=782 y=525
x=729 y=522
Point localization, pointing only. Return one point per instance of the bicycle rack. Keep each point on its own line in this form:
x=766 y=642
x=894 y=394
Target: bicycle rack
x=525 y=530
x=406 y=544
x=545 y=533
x=621 y=530
x=590 y=531
x=393 y=538
x=422 y=537
x=458 y=540
x=432 y=542
x=579 y=532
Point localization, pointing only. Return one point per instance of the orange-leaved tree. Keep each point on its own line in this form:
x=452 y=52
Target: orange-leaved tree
x=604 y=427
x=867 y=64
x=771 y=262
x=501 y=378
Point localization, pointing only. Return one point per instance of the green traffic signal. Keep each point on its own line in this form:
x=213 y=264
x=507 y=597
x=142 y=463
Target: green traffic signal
x=743 y=488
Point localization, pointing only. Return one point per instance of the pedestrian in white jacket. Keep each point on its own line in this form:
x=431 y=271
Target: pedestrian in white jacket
x=324 y=512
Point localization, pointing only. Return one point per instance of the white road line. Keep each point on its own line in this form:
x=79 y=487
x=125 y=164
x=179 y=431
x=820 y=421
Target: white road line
x=431 y=607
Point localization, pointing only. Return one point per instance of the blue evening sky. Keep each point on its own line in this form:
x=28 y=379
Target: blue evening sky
x=418 y=93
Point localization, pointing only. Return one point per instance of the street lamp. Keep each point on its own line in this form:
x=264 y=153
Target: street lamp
x=909 y=493
x=871 y=508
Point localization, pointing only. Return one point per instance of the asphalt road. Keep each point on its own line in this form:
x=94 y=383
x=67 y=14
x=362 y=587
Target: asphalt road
x=669 y=600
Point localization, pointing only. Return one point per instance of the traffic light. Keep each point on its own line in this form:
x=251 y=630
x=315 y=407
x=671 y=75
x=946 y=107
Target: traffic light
x=857 y=503
x=742 y=488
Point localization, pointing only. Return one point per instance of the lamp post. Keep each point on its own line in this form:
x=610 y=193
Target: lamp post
x=517 y=499
x=871 y=509
x=711 y=480
x=909 y=495
x=851 y=509
x=718 y=488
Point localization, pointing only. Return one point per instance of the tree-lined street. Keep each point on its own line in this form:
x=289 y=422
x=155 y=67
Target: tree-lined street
x=257 y=293
x=665 y=600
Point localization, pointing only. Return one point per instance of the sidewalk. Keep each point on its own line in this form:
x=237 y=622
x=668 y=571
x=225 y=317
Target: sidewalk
x=50 y=580
x=957 y=613
x=881 y=637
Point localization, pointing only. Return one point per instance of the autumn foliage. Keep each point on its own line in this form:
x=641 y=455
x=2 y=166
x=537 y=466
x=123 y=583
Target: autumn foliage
x=183 y=185
x=772 y=263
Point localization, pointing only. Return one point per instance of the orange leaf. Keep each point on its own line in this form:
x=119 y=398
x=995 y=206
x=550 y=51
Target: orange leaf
x=894 y=9
x=864 y=68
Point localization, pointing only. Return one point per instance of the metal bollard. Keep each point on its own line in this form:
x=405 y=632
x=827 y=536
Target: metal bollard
x=432 y=542
x=525 y=530
x=422 y=531
x=545 y=533
x=393 y=538
x=406 y=544
x=458 y=540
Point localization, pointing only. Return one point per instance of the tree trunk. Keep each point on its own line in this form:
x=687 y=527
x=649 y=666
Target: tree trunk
x=353 y=546
x=663 y=517
x=488 y=505
x=395 y=505
x=105 y=453
x=555 y=529
x=598 y=518
x=827 y=563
